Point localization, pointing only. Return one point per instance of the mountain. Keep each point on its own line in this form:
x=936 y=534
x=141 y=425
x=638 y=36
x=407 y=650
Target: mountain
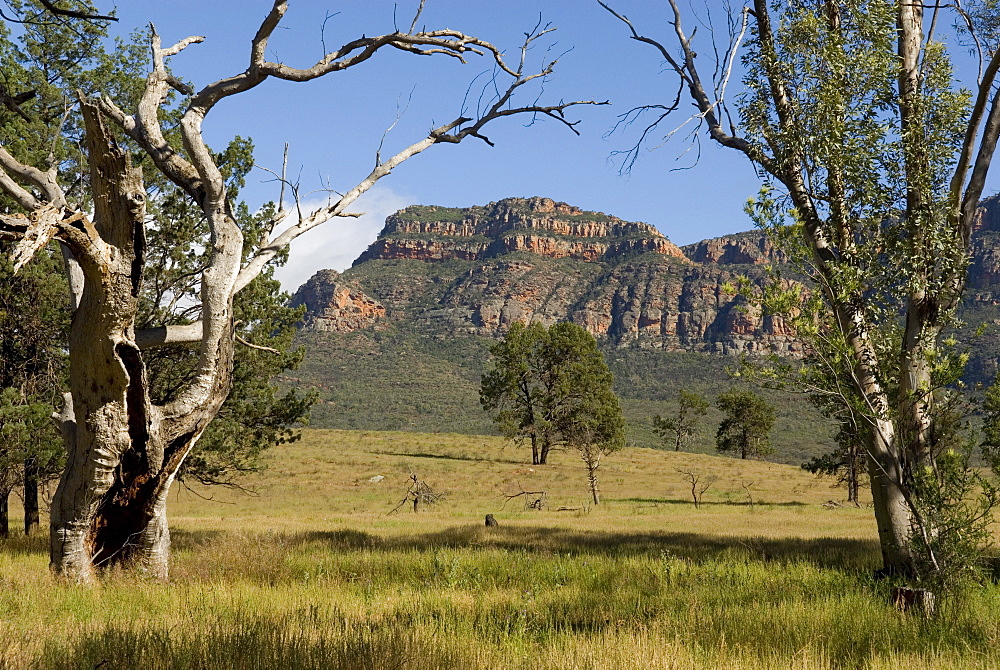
x=474 y=271
x=399 y=340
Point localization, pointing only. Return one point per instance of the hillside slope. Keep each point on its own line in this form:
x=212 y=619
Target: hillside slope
x=400 y=339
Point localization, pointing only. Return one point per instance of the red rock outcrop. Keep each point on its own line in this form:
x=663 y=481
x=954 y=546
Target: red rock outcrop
x=539 y=226
x=752 y=248
x=335 y=307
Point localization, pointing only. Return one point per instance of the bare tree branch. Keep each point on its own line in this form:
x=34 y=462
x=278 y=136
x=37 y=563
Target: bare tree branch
x=73 y=14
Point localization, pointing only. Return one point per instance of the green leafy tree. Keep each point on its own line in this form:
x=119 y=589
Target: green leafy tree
x=678 y=428
x=552 y=387
x=747 y=425
x=846 y=463
x=24 y=439
x=874 y=160
x=956 y=497
x=585 y=411
x=34 y=318
x=512 y=391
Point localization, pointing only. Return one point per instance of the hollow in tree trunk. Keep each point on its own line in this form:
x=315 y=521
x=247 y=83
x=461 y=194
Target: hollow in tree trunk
x=123 y=452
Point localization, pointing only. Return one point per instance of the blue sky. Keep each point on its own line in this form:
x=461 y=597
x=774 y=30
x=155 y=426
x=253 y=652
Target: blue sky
x=333 y=125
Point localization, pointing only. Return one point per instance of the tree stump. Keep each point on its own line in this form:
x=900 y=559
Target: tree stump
x=491 y=522
x=905 y=599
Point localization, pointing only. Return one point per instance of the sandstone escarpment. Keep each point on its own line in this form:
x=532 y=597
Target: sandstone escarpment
x=538 y=226
x=477 y=270
x=751 y=248
x=332 y=306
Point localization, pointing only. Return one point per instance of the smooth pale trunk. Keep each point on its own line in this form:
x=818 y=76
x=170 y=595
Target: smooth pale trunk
x=892 y=513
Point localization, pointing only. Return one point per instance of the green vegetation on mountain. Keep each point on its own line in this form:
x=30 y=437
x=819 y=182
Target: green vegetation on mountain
x=395 y=379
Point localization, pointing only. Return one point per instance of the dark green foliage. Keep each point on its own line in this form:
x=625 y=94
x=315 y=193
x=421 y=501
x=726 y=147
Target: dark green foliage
x=34 y=319
x=432 y=213
x=747 y=426
x=403 y=380
x=255 y=416
x=955 y=498
x=551 y=386
x=394 y=380
x=847 y=464
x=678 y=428
x=578 y=379
x=512 y=391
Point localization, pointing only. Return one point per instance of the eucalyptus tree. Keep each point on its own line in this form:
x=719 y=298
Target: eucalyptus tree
x=746 y=427
x=851 y=115
x=680 y=427
x=124 y=448
x=551 y=386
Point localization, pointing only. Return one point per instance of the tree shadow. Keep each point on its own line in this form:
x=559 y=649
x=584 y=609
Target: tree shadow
x=826 y=552
x=704 y=503
x=449 y=457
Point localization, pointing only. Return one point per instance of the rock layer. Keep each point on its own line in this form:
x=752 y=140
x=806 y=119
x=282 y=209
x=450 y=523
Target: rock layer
x=335 y=307
x=478 y=270
x=538 y=226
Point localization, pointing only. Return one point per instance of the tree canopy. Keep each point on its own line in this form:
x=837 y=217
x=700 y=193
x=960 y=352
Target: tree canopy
x=873 y=161
x=676 y=429
x=551 y=386
x=747 y=425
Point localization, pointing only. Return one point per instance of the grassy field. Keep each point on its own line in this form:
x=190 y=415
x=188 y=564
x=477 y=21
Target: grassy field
x=313 y=572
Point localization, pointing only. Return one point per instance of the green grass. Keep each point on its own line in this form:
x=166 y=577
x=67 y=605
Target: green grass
x=313 y=573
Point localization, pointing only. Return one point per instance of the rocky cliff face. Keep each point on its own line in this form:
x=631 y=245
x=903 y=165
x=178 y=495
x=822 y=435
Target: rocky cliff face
x=751 y=248
x=538 y=226
x=478 y=270
x=335 y=307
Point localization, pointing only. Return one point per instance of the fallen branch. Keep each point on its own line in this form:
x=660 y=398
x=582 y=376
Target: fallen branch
x=532 y=499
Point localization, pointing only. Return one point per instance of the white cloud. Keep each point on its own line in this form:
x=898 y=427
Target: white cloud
x=336 y=243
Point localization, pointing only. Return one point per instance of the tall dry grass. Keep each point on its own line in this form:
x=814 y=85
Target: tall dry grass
x=312 y=573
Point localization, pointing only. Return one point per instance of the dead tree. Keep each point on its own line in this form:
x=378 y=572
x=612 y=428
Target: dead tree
x=418 y=492
x=123 y=450
x=699 y=484
x=532 y=499
x=747 y=486
x=592 y=453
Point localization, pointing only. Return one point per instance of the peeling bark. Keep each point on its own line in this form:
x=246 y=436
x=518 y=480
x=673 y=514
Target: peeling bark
x=109 y=415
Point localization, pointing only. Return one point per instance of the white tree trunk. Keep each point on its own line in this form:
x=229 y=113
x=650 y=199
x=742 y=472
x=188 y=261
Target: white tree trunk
x=110 y=505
